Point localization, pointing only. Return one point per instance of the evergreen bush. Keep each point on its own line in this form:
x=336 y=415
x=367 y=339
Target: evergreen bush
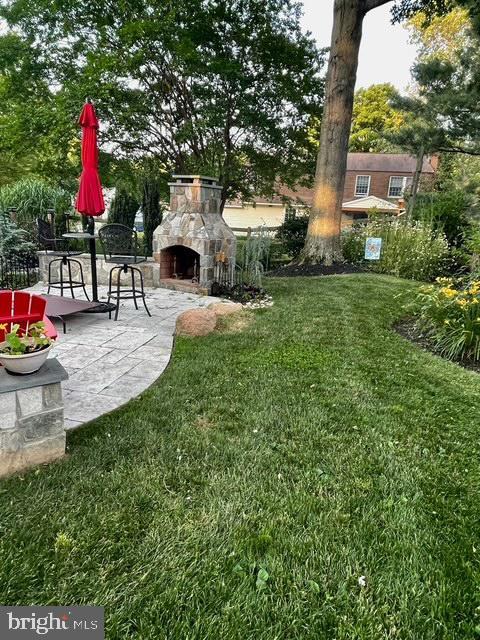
x=292 y=233
x=123 y=209
x=13 y=240
x=152 y=211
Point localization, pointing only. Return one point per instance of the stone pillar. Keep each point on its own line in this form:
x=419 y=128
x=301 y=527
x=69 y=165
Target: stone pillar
x=31 y=418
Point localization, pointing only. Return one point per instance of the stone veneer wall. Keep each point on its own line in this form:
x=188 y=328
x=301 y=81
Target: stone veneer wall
x=150 y=270
x=31 y=424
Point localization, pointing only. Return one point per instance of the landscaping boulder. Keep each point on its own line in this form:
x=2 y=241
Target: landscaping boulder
x=196 y=322
x=225 y=308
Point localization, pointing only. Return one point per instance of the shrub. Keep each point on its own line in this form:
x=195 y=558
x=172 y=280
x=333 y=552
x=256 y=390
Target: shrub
x=278 y=255
x=123 y=209
x=353 y=244
x=409 y=249
x=413 y=250
x=449 y=316
x=13 y=240
x=292 y=233
x=445 y=211
x=472 y=245
x=32 y=199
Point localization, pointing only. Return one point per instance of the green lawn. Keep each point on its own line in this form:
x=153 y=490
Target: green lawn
x=245 y=493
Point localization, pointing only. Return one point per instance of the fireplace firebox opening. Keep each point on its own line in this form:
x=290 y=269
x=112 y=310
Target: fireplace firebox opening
x=180 y=263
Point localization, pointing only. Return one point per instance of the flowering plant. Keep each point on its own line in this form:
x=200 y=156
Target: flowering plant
x=411 y=250
x=448 y=313
x=33 y=340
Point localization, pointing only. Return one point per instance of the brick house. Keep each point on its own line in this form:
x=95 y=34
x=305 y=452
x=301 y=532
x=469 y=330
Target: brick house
x=383 y=175
x=373 y=180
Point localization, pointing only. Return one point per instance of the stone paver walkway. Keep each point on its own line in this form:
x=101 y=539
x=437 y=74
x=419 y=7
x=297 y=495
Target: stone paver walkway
x=111 y=362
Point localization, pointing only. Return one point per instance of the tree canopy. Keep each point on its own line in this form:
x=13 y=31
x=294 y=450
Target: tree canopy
x=224 y=87
x=374 y=118
x=406 y=9
x=442 y=36
x=444 y=115
x=37 y=134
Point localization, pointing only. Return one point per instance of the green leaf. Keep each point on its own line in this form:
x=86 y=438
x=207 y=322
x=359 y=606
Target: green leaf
x=262 y=579
x=238 y=569
x=314 y=586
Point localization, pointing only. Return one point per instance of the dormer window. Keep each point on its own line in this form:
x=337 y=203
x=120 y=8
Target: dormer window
x=362 y=186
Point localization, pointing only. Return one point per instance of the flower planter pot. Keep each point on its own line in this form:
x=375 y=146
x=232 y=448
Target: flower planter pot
x=27 y=363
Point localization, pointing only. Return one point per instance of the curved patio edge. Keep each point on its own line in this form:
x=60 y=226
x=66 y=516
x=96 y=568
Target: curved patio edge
x=109 y=363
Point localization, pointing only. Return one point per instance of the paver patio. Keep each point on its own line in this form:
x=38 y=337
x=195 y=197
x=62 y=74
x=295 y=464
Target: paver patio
x=111 y=362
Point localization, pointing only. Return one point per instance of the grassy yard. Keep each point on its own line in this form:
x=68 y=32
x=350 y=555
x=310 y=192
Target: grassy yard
x=244 y=495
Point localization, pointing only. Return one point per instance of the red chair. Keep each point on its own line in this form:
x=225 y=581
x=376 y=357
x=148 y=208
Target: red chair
x=23 y=308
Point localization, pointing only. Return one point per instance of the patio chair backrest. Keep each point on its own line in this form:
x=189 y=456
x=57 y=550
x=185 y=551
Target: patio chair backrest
x=46 y=234
x=20 y=307
x=118 y=240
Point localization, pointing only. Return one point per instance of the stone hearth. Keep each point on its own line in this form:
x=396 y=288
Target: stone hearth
x=193 y=240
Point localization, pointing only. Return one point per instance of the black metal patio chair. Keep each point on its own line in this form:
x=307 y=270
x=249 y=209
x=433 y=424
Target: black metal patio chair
x=58 y=250
x=120 y=247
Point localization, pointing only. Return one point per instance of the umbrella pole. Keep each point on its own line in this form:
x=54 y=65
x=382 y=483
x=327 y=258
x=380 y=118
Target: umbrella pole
x=93 y=257
x=101 y=307
x=91 y=225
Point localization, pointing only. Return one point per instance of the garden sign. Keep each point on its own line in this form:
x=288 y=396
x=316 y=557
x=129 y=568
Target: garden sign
x=373 y=248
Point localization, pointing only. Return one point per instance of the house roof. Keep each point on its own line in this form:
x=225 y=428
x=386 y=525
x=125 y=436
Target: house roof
x=369 y=202
x=303 y=195
x=388 y=162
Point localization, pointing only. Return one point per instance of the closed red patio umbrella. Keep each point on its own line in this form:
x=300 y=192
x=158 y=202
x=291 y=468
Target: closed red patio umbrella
x=89 y=200
x=90 y=197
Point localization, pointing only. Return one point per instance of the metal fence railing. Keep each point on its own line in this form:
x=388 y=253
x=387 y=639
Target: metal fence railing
x=227 y=275
x=18 y=272
x=230 y=276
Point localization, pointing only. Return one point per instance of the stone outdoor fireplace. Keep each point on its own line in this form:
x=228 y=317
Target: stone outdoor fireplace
x=193 y=241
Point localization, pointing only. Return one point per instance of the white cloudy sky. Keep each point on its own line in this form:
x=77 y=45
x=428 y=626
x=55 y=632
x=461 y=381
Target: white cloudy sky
x=385 y=55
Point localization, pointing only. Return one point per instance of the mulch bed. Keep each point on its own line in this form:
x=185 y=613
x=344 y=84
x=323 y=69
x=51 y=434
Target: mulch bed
x=406 y=328
x=295 y=270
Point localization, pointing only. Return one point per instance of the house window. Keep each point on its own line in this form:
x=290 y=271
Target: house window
x=362 y=186
x=397 y=186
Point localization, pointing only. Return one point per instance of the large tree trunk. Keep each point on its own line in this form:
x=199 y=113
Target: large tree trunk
x=416 y=182
x=323 y=236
